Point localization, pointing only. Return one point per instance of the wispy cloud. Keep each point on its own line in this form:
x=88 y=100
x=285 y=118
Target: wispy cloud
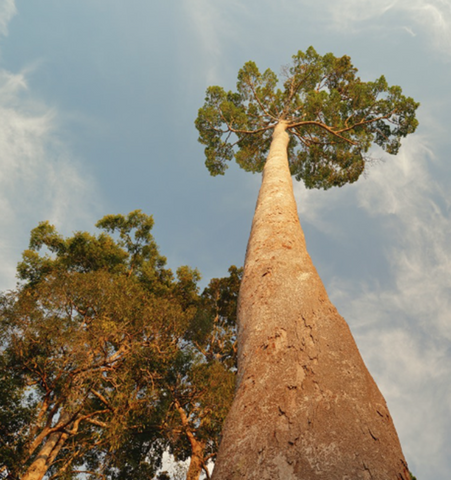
x=417 y=212
x=349 y=12
x=39 y=178
x=433 y=17
x=213 y=25
x=7 y=11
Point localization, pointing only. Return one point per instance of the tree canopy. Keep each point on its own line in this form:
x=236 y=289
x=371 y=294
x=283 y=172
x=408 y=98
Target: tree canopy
x=333 y=118
x=107 y=359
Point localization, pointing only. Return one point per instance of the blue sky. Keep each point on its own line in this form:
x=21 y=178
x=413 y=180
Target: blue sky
x=97 y=104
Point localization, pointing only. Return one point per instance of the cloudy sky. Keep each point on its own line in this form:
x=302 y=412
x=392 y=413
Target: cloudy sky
x=97 y=104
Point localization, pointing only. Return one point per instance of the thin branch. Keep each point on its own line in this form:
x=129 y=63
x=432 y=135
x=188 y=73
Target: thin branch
x=205 y=469
x=251 y=132
x=89 y=472
x=88 y=418
x=236 y=130
x=366 y=122
x=66 y=465
x=102 y=399
x=260 y=103
x=93 y=421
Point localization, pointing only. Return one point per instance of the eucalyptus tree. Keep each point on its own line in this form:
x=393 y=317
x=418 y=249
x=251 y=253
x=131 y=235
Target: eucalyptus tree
x=107 y=359
x=90 y=333
x=305 y=405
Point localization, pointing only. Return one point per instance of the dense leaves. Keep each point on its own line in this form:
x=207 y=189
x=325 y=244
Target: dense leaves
x=203 y=393
x=107 y=359
x=333 y=118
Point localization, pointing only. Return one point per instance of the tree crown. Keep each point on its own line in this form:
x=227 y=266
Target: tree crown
x=332 y=116
x=101 y=342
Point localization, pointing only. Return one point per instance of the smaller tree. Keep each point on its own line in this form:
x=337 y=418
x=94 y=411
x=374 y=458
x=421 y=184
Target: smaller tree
x=107 y=360
x=91 y=332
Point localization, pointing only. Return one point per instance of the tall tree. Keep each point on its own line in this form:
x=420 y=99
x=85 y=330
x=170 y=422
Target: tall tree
x=305 y=405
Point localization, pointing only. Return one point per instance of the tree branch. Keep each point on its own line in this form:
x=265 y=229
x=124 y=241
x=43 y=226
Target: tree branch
x=260 y=103
x=366 y=122
x=324 y=127
x=102 y=399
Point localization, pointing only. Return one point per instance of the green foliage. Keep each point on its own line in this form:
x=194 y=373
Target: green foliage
x=16 y=411
x=332 y=116
x=94 y=346
x=135 y=251
x=203 y=384
x=99 y=341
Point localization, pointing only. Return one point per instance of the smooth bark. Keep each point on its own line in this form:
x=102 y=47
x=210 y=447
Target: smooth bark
x=46 y=456
x=48 y=452
x=305 y=407
x=197 y=460
x=197 y=447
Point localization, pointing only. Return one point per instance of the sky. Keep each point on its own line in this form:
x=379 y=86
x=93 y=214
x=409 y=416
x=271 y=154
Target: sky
x=97 y=106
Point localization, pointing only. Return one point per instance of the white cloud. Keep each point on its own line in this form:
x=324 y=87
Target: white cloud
x=205 y=20
x=313 y=204
x=39 y=180
x=409 y=31
x=7 y=12
x=414 y=374
x=433 y=17
x=417 y=210
x=350 y=12
x=215 y=30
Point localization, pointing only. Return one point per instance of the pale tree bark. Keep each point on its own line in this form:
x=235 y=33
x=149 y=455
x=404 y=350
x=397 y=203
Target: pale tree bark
x=305 y=407
x=48 y=452
x=196 y=463
x=197 y=446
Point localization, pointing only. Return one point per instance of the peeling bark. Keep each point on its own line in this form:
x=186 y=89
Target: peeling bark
x=306 y=406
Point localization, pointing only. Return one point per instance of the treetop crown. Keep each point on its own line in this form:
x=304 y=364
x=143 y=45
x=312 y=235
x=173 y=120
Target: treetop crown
x=332 y=116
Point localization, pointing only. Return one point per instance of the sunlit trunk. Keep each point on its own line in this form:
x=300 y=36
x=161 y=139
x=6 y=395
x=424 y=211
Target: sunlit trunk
x=47 y=454
x=197 y=446
x=197 y=460
x=305 y=406
x=45 y=457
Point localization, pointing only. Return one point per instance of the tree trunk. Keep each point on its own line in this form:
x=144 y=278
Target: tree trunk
x=305 y=407
x=47 y=454
x=197 y=446
x=197 y=460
